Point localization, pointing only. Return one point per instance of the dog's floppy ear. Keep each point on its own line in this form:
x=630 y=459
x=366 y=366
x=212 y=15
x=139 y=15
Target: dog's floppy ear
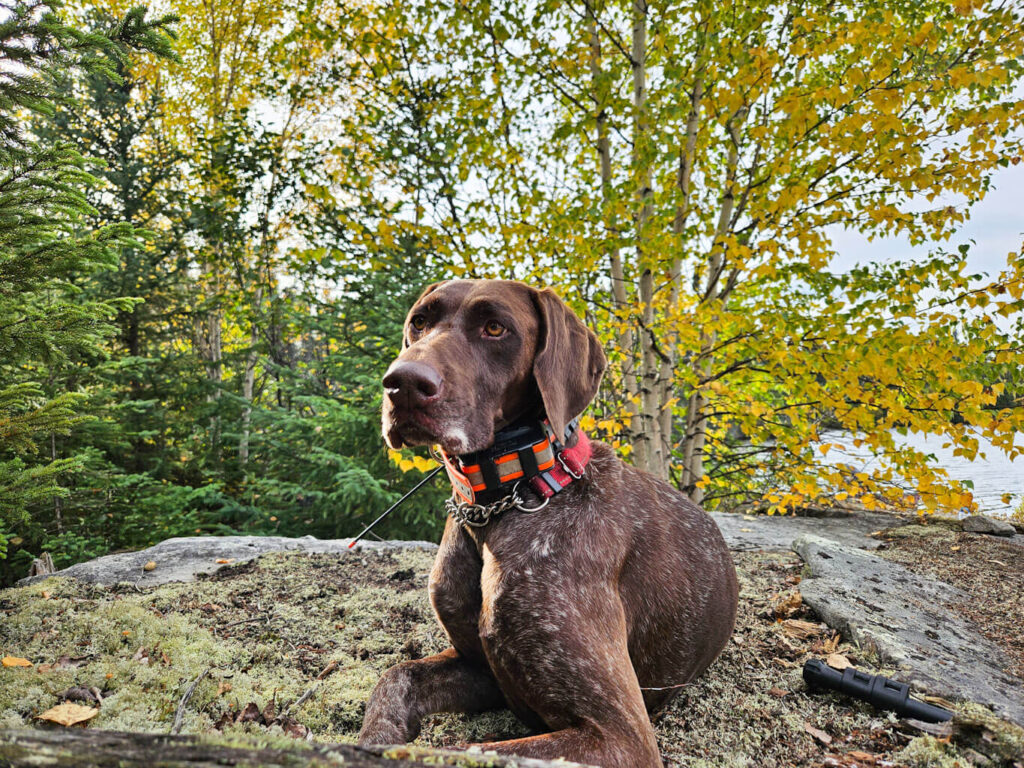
x=569 y=361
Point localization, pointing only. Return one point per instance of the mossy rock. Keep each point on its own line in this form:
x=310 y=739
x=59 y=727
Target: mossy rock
x=265 y=630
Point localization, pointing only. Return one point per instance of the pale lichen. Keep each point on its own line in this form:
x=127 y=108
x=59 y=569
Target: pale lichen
x=265 y=631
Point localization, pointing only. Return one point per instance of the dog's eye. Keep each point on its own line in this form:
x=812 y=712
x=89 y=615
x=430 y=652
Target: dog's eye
x=419 y=322
x=494 y=329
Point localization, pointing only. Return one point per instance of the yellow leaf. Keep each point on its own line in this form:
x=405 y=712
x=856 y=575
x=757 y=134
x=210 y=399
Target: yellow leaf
x=69 y=714
x=423 y=464
x=838 y=661
x=15 y=661
x=405 y=465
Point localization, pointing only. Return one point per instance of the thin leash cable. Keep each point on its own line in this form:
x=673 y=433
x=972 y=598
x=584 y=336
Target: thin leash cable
x=397 y=504
x=665 y=688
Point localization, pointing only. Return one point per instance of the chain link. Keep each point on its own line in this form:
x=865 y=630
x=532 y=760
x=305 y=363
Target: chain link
x=479 y=515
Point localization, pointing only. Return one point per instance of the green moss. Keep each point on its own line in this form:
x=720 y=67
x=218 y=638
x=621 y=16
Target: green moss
x=929 y=752
x=266 y=630
x=938 y=531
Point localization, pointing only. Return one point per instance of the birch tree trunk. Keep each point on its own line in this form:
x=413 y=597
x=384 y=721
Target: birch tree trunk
x=618 y=279
x=696 y=413
x=647 y=444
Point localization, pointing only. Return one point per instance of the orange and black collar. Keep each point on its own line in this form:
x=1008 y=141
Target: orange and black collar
x=525 y=452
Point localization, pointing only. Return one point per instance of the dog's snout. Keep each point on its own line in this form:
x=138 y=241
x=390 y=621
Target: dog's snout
x=410 y=384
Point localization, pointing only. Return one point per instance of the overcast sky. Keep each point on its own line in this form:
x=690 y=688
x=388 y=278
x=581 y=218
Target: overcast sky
x=996 y=226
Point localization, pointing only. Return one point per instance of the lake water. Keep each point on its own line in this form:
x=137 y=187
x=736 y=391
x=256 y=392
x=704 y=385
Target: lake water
x=993 y=476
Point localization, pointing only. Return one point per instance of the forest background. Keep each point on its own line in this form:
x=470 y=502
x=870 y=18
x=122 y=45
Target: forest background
x=214 y=215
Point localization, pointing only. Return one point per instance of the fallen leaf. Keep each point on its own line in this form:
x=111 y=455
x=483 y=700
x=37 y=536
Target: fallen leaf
x=15 y=661
x=165 y=658
x=746 y=530
x=777 y=692
x=787 y=604
x=831 y=644
x=68 y=714
x=954 y=549
x=838 y=661
x=294 y=728
x=149 y=566
x=225 y=560
x=223 y=687
x=251 y=714
x=46 y=595
x=328 y=670
x=268 y=712
x=817 y=733
x=864 y=757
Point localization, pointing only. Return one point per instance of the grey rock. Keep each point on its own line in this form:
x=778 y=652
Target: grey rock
x=182 y=559
x=989 y=525
x=906 y=619
x=776 y=532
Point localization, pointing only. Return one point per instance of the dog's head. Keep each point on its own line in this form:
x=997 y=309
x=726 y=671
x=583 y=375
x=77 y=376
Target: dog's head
x=481 y=353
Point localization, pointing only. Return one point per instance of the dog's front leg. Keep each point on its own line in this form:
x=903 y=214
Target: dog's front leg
x=453 y=681
x=406 y=693
x=556 y=638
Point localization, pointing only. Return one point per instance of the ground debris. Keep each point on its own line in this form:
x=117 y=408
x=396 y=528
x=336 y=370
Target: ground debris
x=286 y=625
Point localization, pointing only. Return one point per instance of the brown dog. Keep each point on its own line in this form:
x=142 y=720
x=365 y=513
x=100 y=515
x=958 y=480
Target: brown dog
x=582 y=616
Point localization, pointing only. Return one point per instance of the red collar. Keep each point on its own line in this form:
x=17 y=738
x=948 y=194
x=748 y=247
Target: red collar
x=524 y=453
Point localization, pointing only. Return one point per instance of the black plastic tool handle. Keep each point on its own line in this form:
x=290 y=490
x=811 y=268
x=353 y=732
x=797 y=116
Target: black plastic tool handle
x=874 y=689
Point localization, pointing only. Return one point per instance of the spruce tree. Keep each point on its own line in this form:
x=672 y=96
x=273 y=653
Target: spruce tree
x=45 y=245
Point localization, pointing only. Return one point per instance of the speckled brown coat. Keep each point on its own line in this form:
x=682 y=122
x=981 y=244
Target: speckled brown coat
x=575 y=615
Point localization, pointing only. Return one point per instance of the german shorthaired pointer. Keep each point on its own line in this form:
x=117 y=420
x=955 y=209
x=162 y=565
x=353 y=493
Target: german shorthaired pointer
x=575 y=589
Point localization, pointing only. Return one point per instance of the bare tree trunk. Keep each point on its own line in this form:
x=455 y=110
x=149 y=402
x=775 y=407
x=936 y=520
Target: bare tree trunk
x=619 y=295
x=58 y=507
x=686 y=161
x=696 y=414
x=71 y=747
x=249 y=381
x=648 y=442
x=209 y=344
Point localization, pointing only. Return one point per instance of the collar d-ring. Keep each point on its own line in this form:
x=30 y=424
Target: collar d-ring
x=520 y=504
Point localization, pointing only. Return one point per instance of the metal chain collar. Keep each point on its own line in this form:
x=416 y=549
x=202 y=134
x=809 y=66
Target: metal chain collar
x=479 y=515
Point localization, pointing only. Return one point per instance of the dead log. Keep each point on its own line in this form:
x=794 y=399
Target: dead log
x=80 y=747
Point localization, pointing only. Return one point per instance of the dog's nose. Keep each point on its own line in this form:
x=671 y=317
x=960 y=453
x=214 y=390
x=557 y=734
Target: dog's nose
x=411 y=384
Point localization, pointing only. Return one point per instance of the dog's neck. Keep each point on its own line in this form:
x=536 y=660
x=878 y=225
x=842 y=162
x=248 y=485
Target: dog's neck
x=525 y=454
